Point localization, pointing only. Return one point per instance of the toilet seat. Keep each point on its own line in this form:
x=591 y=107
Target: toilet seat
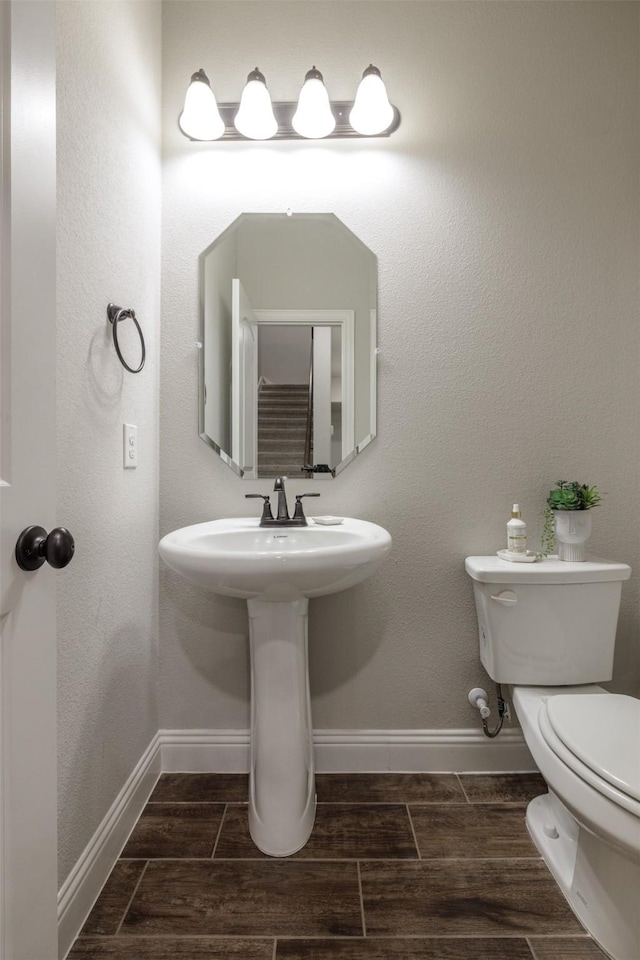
x=598 y=737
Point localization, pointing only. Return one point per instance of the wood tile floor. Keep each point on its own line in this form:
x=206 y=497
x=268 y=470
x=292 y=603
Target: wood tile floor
x=411 y=866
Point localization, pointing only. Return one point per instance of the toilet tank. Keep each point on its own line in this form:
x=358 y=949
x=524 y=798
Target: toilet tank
x=551 y=622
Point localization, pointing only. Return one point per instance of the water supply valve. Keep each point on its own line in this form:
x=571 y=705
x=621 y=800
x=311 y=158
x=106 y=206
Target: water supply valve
x=479 y=698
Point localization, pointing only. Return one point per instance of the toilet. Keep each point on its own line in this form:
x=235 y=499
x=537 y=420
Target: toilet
x=547 y=630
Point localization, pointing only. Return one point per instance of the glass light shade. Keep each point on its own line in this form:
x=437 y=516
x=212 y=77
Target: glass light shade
x=371 y=112
x=200 y=118
x=313 y=118
x=255 y=118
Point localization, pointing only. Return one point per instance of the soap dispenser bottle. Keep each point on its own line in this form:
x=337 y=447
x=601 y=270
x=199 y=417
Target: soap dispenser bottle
x=516 y=532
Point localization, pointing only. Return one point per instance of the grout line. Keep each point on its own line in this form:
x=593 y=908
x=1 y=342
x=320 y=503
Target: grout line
x=383 y=938
x=530 y=945
x=413 y=831
x=576 y=935
x=364 y=922
x=275 y=948
x=190 y=937
x=464 y=792
x=397 y=802
x=215 y=842
x=185 y=803
x=151 y=859
x=126 y=909
x=294 y=858
x=580 y=934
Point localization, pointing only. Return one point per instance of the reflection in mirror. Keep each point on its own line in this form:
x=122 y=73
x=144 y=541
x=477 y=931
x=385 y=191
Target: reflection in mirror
x=288 y=359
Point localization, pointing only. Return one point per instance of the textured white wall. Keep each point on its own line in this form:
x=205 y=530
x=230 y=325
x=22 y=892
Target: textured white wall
x=504 y=213
x=284 y=354
x=108 y=250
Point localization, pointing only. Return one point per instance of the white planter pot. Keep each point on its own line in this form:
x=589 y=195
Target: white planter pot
x=573 y=529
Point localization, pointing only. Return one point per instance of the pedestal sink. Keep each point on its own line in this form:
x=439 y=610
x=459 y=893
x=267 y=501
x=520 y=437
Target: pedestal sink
x=277 y=570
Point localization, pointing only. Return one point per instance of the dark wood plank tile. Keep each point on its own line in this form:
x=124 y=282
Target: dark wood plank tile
x=388 y=788
x=110 y=906
x=175 y=830
x=344 y=831
x=201 y=788
x=404 y=948
x=163 y=948
x=246 y=898
x=467 y=830
x=566 y=948
x=463 y=898
x=502 y=787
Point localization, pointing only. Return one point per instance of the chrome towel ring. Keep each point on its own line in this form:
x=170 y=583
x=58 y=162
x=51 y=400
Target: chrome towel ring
x=115 y=315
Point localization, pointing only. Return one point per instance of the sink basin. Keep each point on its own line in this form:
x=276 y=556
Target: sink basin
x=238 y=558
x=276 y=570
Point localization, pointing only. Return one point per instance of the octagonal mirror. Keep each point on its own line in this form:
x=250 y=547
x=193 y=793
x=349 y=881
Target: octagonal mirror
x=288 y=359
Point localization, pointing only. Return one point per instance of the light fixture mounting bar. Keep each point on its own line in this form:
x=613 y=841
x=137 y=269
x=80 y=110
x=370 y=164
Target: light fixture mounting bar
x=284 y=111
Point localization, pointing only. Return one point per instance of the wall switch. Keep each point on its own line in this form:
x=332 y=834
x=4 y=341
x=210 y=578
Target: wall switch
x=129 y=446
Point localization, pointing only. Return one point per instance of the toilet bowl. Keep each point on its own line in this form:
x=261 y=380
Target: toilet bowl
x=587 y=828
x=549 y=634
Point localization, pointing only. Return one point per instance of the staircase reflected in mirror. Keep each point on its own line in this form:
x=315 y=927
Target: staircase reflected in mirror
x=282 y=429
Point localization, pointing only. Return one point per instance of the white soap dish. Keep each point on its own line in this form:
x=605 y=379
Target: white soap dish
x=528 y=557
x=328 y=521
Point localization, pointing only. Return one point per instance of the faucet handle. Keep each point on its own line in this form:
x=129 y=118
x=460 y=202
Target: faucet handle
x=266 y=509
x=298 y=513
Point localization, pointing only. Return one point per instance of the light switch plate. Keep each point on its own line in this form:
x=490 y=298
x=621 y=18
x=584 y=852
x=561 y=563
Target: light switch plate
x=129 y=446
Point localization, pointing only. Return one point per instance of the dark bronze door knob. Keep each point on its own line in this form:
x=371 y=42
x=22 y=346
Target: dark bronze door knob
x=33 y=547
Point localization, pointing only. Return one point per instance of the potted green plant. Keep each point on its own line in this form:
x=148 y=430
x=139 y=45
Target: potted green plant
x=570 y=503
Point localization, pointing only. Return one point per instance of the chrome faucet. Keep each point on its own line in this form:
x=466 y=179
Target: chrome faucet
x=283 y=519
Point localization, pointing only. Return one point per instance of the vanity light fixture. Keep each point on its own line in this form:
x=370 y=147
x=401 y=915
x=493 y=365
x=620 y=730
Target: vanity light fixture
x=255 y=119
x=313 y=117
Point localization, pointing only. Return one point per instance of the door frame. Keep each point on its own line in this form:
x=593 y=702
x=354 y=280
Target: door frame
x=345 y=319
x=244 y=383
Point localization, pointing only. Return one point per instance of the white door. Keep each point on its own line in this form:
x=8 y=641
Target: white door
x=249 y=364
x=244 y=385
x=28 y=914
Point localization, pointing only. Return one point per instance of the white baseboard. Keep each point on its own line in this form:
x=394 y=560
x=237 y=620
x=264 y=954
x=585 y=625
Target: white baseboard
x=420 y=751
x=204 y=751
x=83 y=885
x=356 y=751
x=227 y=751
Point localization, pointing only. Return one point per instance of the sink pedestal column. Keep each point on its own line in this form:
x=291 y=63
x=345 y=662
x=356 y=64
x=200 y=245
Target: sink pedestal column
x=282 y=799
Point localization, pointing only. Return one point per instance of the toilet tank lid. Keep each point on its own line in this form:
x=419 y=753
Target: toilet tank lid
x=494 y=570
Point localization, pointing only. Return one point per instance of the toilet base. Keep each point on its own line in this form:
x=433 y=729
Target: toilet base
x=600 y=881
